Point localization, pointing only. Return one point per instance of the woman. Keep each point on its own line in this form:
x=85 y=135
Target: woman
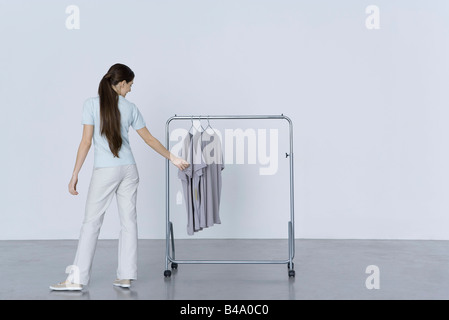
x=106 y=120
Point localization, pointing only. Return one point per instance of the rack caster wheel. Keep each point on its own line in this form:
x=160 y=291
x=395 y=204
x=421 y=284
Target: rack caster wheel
x=288 y=266
x=174 y=265
x=167 y=273
x=291 y=273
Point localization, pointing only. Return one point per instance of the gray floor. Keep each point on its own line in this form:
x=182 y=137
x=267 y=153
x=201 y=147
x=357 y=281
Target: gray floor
x=325 y=269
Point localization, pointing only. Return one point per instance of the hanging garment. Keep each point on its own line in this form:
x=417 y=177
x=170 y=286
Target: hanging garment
x=191 y=180
x=201 y=181
x=211 y=179
x=199 y=166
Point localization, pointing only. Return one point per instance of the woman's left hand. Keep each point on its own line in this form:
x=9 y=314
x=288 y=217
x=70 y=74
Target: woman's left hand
x=72 y=185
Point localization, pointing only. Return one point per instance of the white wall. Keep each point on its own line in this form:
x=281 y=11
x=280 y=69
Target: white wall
x=369 y=107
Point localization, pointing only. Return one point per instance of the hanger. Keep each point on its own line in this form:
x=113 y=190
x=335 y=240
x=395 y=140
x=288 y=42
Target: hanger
x=209 y=126
x=199 y=129
x=201 y=125
x=191 y=119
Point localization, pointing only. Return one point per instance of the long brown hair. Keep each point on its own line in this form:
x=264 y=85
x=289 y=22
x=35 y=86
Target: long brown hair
x=109 y=111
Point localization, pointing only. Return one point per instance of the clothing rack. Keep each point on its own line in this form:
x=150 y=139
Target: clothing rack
x=170 y=255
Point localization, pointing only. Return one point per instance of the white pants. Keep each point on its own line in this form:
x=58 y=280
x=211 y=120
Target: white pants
x=121 y=181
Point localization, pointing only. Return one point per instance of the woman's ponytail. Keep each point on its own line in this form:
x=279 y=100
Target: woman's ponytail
x=109 y=112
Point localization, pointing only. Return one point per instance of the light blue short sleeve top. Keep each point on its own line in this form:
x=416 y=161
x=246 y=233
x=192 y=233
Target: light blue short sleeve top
x=129 y=115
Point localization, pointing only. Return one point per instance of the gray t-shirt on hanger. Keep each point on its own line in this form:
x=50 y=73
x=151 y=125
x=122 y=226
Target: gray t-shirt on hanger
x=211 y=179
x=191 y=181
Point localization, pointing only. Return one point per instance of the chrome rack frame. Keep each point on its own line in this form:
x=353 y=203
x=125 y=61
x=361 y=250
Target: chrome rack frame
x=170 y=255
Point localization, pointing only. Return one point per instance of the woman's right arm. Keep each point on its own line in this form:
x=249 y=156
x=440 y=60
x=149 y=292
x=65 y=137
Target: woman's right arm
x=83 y=149
x=155 y=144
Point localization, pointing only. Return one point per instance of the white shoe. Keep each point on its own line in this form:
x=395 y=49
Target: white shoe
x=66 y=286
x=124 y=283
